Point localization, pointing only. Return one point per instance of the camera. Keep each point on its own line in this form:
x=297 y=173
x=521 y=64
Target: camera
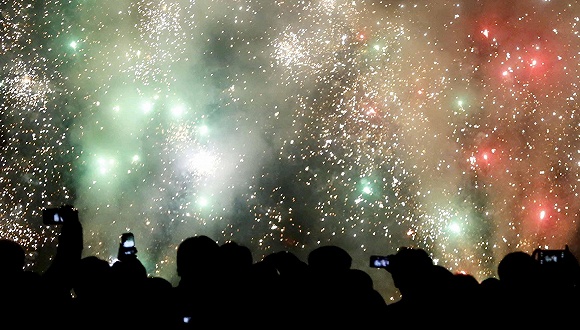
x=380 y=261
x=59 y=215
x=127 y=246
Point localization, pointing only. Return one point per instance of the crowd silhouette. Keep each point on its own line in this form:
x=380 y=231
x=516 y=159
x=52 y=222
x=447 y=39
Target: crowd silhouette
x=75 y=292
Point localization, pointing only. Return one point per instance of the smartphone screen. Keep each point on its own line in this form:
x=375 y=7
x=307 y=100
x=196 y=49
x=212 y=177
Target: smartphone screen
x=551 y=256
x=52 y=216
x=128 y=240
x=379 y=261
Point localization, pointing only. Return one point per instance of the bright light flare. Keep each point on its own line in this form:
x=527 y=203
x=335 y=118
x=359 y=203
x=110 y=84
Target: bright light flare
x=542 y=214
x=203 y=163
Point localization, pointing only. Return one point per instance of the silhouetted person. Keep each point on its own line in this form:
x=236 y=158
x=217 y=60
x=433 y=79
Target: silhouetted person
x=293 y=277
x=157 y=308
x=287 y=264
x=364 y=303
x=465 y=297
x=238 y=257
x=58 y=278
x=129 y=273
x=559 y=268
x=419 y=282
x=128 y=295
x=329 y=259
x=236 y=263
x=18 y=287
x=265 y=292
x=521 y=288
x=440 y=288
x=93 y=303
x=559 y=272
x=491 y=293
x=340 y=295
x=329 y=268
x=12 y=258
x=198 y=293
x=278 y=283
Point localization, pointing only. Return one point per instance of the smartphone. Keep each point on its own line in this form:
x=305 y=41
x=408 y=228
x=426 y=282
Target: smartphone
x=52 y=216
x=58 y=215
x=127 y=246
x=128 y=240
x=551 y=256
x=380 y=261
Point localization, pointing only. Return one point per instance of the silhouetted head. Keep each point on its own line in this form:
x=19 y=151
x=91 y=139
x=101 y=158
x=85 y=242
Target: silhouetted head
x=409 y=260
x=465 y=285
x=12 y=257
x=490 y=282
x=92 y=278
x=490 y=288
x=518 y=269
x=329 y=258
x=264 y=272
x=361 y=297
x=128 y=272
x=157 y=302
x=287 y=263
x=236 y=256
x=157 y=292
x=411 y=269
x=197 y=254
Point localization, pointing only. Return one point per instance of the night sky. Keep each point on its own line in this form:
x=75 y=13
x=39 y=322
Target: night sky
x=288 y=125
